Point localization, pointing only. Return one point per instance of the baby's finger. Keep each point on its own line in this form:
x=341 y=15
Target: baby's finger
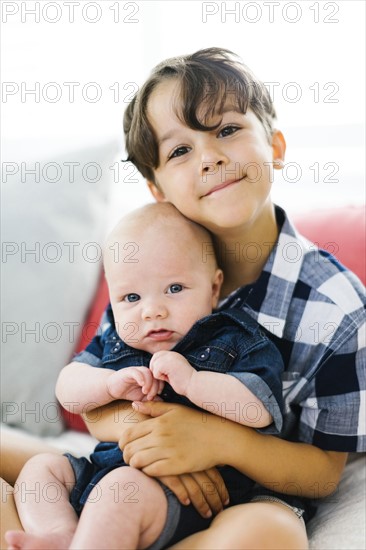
x=149 y=384
x=136 y=375
x=156 y=366
x=153 y=390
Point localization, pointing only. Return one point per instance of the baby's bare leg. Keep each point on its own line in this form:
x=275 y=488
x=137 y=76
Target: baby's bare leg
x=126 y=510
x=41 y=494
x=254 y=526
x=8 y=513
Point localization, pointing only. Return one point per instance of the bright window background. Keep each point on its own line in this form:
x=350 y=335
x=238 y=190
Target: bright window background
x=310 y=53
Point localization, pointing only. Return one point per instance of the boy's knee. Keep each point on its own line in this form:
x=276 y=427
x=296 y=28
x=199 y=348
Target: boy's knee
x=259 y=525
x=284 y=529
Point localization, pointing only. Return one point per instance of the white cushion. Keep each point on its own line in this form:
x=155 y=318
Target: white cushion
x=340 y=520
x=50 y=270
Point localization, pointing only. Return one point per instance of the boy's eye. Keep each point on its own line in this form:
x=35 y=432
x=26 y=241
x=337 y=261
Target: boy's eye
x=173 y=289
x=228 y=130
x=131 y=297
x=178 y=152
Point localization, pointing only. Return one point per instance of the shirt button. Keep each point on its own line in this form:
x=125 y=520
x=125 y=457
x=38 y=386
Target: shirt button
x=116 y=347
x=205 y=354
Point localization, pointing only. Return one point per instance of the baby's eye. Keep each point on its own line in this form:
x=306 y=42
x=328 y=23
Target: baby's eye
x=178 y=152
x=173 y=289
x=228 y=130
x=131 y=297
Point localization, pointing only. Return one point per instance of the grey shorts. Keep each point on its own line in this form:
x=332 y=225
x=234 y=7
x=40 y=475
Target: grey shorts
x=171 y=522
x=181 y=521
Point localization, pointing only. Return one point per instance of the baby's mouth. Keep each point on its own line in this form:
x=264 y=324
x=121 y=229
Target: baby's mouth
x=160 y=334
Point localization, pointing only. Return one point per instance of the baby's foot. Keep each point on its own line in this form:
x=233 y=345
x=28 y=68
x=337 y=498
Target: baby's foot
x=19 y=540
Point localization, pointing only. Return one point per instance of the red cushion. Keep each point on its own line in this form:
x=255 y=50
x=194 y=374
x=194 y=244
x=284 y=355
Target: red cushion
x=94 y=316
x=340 y=231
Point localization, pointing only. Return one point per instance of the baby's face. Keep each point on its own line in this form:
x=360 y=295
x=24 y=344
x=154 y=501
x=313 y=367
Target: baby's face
x=159 y=286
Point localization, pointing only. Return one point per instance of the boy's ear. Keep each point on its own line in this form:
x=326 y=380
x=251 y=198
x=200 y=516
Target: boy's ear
x=279 y=149
x=216 y=287
x=156 y=192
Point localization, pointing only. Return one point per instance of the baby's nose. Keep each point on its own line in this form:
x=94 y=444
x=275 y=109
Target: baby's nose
x=154 y=310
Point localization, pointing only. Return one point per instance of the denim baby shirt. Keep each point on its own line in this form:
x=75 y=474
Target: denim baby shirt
x=228 y=342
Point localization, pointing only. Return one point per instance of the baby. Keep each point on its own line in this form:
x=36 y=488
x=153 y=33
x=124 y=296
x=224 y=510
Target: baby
x=160 y=340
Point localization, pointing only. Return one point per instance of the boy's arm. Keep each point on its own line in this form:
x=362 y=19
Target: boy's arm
x=167 y=444
x=218 y=393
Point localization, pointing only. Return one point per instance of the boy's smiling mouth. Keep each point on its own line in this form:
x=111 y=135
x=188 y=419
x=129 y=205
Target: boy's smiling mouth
x=221 y=186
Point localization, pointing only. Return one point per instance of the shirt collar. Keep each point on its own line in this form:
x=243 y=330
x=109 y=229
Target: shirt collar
x=269 y=298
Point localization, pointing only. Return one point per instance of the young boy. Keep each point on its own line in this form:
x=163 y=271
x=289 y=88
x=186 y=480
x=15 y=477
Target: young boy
x=160 y=339
x=201 y=131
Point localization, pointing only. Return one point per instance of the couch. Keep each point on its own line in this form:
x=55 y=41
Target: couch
x=340 y=522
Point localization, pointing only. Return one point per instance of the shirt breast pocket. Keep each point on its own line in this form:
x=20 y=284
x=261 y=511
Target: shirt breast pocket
x=216 y=358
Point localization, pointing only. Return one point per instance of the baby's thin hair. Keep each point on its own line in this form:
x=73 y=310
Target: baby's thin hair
x=162 y=214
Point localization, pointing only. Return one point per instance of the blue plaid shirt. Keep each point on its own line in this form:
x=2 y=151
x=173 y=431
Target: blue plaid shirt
x=315 y=310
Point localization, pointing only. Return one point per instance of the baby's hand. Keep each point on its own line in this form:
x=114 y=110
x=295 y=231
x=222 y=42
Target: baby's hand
x=173 y=368
x=134 y=384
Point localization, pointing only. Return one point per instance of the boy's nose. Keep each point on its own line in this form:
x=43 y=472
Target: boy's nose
x=212 y=159
x=211 y=167
x=154 y=310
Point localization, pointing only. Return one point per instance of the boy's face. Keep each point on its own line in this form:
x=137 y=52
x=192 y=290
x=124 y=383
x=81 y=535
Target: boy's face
x=159 y=288
x=221 y=178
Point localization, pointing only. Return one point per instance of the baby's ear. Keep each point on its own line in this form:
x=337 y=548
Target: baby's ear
x=216 y=287
x=278 y=148
x=156 y=192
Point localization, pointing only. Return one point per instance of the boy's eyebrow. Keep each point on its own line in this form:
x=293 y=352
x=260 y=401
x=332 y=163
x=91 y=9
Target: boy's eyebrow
x=166 y=137
x=228 y=108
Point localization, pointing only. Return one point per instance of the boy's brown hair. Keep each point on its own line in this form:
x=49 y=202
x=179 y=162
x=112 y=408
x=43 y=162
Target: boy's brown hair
x=206 y=80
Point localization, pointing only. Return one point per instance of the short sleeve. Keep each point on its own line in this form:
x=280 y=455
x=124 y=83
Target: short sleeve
x=261 y=372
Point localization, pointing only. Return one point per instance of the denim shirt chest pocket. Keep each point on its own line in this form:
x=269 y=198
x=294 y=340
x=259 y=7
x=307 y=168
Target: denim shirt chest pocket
x=118 y=355
x=218 y=357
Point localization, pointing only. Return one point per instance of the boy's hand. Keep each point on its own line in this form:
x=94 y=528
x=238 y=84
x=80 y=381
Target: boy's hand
x=134 y=383
x=206 y=491
x=173 y=368
x=175 y=440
